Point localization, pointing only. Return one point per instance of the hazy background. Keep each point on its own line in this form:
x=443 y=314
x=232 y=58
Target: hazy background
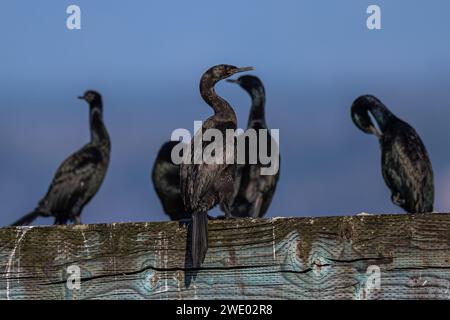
x=146 y=58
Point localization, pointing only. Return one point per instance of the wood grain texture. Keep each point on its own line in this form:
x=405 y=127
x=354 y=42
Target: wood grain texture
x=280 y=258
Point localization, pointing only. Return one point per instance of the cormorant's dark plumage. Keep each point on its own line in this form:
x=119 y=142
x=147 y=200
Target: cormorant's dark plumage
x=166 y=180
x=254 y=191
x=80 y=176
x=406 y=167
x=203 y=186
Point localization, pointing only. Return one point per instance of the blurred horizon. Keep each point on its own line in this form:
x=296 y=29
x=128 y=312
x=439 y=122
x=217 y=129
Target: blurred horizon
x=146 y=59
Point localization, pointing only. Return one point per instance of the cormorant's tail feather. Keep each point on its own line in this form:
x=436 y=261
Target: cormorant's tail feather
x=199 y=244
x=27 y=219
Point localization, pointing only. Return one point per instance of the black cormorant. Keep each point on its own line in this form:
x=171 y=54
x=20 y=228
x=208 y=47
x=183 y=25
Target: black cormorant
x=405 y=164
x=254 y=191
x=203 y=186
x=80 y=176
x=166 y=180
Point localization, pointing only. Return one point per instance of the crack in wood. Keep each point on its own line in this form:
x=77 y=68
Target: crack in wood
x=129 y=273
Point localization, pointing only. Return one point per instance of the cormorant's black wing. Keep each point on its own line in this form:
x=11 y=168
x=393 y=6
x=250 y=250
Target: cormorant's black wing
x=199 y=180
x=166 y=181
x=253 y=191
x=72 y=180
x=267 y=189
x=407 y=169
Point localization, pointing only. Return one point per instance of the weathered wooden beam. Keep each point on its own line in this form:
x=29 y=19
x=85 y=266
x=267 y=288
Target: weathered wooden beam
x=280 y=258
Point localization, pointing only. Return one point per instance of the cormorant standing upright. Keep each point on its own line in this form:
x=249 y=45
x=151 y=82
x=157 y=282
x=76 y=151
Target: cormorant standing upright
x=254 y=191
x=205 y=185
x=406 y=167
x=80 y=176
x=166 y=181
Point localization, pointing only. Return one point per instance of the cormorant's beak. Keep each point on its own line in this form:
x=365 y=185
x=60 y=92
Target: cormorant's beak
x=232 y=80
x=81 y=97
x=243 y=69
x=378 y=134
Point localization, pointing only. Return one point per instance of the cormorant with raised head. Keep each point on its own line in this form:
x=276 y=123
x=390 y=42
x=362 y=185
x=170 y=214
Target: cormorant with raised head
x=80 y=176
x=166 y=181
x=406 y=167
x=253 y=191
x=204 y=185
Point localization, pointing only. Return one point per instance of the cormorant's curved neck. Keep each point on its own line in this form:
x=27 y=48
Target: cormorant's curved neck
x=382 y=115
x=257 y=111
x=221 y=107
x=99 y=134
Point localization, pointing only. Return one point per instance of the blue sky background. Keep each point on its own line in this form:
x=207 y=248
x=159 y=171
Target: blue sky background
x=146 y=58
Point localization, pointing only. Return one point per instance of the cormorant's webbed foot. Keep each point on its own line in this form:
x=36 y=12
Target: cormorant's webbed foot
x=397 y=199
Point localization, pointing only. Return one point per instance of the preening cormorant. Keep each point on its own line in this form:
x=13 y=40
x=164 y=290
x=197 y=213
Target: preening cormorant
x=253 y=191
x=406 y=167
x=166 y=180
x=204 y=185
x=80 y=176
